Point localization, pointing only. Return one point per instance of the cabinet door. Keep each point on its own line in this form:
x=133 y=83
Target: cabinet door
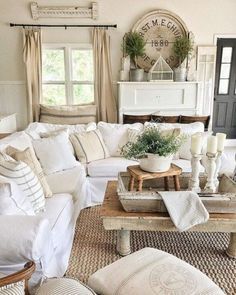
x=206 y=60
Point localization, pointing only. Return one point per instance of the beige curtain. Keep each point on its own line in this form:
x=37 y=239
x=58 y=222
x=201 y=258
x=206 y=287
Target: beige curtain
x=32 y=52
x=104 y=96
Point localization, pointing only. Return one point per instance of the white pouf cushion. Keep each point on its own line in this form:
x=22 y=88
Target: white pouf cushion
x=150 y=272
x=64 y=286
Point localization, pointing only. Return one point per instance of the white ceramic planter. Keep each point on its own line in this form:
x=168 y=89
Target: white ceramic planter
x=155 y=163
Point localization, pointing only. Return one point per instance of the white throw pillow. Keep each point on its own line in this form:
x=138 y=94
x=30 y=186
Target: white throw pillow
x=12 y=199
x=28 y=182
x=116 y=136
x=19 y=140
x=54 y=153
x=34 y=130
x=89 y=146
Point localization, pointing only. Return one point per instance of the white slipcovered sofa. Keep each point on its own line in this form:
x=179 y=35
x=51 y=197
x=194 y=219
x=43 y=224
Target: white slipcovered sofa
x=47 y=237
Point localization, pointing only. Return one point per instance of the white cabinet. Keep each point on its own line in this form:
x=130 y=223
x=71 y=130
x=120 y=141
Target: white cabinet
x=7 y=123
x=164 y=98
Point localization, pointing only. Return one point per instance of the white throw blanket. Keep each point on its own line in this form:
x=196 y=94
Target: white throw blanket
x=185 y=208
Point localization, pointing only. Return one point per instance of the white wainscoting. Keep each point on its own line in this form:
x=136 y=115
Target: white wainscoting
x=13 y=100
x=164 y=98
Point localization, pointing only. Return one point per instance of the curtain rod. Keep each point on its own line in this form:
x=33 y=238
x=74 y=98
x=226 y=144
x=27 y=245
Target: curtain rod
x=62 y=26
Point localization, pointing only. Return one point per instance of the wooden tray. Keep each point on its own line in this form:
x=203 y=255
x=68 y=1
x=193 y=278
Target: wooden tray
x=149 y=199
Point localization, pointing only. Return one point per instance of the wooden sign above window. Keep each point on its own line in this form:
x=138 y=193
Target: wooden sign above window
x=159 y=28
x=64 y=11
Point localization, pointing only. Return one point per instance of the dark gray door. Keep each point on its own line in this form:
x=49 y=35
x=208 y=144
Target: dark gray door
x=224 y=113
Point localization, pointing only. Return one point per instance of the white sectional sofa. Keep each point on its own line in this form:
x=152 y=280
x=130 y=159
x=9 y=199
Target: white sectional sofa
x=47 y=237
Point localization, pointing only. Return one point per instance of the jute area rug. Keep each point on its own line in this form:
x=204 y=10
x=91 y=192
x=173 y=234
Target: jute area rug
x=95 y=248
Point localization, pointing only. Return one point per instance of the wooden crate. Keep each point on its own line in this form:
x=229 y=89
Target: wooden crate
x=149 y=199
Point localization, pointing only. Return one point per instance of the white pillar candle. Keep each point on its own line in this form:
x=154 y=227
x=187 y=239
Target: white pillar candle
x=221 y=137
x=212 y=144
x=196 y=144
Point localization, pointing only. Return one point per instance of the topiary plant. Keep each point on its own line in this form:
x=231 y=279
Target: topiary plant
x=182 y=48
x=154 y=141
x=134 y=46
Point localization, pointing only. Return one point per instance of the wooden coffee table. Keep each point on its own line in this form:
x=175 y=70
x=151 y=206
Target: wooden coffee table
x=115 y=218
x=140 y=175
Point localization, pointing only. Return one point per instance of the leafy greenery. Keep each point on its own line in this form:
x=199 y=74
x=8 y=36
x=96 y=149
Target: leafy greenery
x=134 y=46
x=182 y=48
x=152 y=140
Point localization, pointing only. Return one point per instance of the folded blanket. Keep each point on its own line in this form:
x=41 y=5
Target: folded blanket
x=185 y=209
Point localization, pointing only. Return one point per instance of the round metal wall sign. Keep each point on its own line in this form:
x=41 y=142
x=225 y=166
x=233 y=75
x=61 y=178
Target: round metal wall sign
x=159 y=28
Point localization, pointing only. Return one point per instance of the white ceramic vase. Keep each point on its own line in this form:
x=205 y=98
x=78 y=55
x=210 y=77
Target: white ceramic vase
x=155 y=163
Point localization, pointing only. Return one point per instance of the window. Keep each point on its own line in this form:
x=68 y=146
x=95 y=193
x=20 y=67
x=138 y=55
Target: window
x=67 y=74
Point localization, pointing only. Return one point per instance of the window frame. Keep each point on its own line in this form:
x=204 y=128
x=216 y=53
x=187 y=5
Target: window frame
x=69 y=82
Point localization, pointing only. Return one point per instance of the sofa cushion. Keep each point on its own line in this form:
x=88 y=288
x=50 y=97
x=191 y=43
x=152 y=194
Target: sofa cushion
x=23 y=175
x=67 y=180
x=108 y=167
x=12 y=199
x=150 y=271
x=116 y=135
x=89 y=146
x=54 y=153
x=59 y=212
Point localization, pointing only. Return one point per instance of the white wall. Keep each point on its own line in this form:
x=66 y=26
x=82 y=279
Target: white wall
x=203 y=18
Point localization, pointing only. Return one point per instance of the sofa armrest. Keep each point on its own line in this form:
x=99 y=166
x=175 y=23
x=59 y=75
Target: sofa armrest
x=24 y=238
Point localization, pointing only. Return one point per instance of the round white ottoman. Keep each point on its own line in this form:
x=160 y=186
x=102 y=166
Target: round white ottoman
x=63 y=286
x=152 y=272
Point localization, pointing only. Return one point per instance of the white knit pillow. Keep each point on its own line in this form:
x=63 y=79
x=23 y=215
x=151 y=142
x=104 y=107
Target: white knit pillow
x=28 y=182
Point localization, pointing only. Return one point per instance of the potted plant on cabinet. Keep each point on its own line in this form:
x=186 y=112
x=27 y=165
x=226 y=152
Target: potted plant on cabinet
x=154 y=148
x=182 y=48
x=134 y=46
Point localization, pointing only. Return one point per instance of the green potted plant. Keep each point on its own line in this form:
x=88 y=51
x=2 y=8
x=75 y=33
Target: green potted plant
x=134 y=46
x=154 y=148
x=182 y=48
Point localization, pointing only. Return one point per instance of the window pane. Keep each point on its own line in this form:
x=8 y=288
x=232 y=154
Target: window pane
x=82 y=65
x=225 y=71
x=226 y=54
x=83 y=94
x=54 y=94
x=223 y=87
x=53 y=65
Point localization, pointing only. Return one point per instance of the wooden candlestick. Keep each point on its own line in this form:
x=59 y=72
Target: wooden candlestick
x=218 y=165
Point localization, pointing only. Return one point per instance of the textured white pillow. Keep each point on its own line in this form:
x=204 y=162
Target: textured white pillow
x=28 y=182
x=17 y=288
x=54 y=153
x=116 y=135
x=187 y=129
x=18 y=140
x=34 y=130
x=12 y=199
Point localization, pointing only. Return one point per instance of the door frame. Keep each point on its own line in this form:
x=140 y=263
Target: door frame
x=229 y=142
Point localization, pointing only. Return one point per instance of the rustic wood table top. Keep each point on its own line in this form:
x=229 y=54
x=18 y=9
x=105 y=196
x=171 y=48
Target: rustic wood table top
x=112 y=208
